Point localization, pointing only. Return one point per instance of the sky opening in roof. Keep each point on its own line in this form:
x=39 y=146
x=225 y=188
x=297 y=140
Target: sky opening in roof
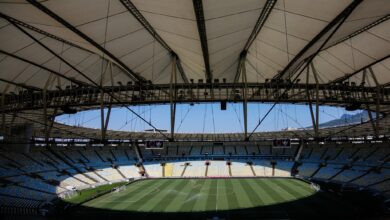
x=208 y=118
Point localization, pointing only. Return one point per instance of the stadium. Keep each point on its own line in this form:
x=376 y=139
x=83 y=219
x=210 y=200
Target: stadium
x=195 y=109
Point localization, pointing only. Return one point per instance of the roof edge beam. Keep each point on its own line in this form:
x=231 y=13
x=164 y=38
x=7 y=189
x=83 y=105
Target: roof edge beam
x=21 y=85
x=268 y=6
x=141 y=19
x=333 y=26
x=361 y=30
x=265 y=12
x=77 y=82
x=52 y=36
x=30 y=27
x=85 y=76
x=343 y=78
x=134 y=76
x=198 y=8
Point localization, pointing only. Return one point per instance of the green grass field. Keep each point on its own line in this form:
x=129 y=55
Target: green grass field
x=224 y=198
x=91 y=192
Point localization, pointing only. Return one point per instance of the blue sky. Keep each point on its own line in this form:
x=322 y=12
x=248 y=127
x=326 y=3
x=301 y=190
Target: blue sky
x=206 y=118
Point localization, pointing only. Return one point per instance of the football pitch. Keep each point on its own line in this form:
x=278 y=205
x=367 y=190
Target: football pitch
x=216 y=198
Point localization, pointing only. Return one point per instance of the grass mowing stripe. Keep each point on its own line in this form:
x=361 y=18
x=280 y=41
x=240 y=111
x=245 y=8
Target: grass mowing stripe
x=192 y=197
x=302 y=185
x=211 y=202
x=270 y=191
x=265 y=197
x=176 y=202
x=280 y=189
x=170 y=197
x=144 y=200
x=241 y=195
x=112 y=199
x=158 y=196
x=231 y=195
x=202 y=199
x=288 y=186
x=133 y=198
x=300 y=205
x=276 y=197
x=222 y=198
x=250 y=192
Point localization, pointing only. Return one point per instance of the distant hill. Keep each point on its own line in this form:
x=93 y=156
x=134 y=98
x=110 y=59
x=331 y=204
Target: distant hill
x=346 y=119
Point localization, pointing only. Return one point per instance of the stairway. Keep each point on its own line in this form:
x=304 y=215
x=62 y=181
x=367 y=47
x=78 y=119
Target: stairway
x=120 y=173
x=253 y=170
x=184 y=170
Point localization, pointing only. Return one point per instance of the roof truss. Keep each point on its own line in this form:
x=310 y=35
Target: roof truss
x=134 y=76
x=25 y=25
x=343 y=78
x=361 y=30
x=329 y=30
x=21 y=85
x=268 y=6
x=137 y=14
x=43 y=67
x=198 y=8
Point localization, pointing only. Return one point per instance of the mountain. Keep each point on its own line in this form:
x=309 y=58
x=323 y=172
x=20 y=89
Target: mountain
x=346 y=119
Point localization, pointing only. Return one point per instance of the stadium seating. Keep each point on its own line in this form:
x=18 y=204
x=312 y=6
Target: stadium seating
x=218 y=168
x=153 y=169
x=28 y=180
x=328 y=171
x=283 y=168
x=195 y=169
x=241 y=168
x=262 y=167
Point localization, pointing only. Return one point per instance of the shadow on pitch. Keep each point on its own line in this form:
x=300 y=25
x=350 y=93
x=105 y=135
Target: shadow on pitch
x=321 y=205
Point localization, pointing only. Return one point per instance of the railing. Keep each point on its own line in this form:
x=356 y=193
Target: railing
x=88 y=97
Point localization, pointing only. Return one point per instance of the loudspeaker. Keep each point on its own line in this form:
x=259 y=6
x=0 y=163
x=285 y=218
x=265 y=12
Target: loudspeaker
x=223 y=105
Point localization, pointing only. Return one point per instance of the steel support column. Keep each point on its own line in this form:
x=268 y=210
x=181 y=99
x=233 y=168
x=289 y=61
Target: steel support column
x=52 y=120
x=3 y=127
x=313 y=120
x=364 y=75
x=172 y=97
x=53 y=117
x=316 y=128
x=45 y=115
x=110 y=105
x=105 y=119
x=378 y=98
x=102 y=124
x=245 y=98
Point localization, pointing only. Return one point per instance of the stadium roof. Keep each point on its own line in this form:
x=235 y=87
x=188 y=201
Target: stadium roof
x=99 y=44
x=74 y=39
